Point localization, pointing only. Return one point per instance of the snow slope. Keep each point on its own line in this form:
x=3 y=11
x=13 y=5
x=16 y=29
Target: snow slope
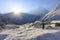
x=27 y=32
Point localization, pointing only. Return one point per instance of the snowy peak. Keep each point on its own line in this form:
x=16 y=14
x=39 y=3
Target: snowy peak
x=55 y=11
x=58 y=6
x=39 y=11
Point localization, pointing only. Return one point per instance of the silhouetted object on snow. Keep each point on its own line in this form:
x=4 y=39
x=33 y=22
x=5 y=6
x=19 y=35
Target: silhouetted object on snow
x=43 y=25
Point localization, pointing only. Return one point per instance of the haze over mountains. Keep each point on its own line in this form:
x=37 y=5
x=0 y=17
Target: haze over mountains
x=39 y=11
x=36 y=14
x=32 y=16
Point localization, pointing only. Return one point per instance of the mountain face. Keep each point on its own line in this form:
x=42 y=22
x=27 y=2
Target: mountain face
x=24 y=18
x=9 y=18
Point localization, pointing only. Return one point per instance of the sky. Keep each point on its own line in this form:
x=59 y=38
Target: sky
x=26 y=5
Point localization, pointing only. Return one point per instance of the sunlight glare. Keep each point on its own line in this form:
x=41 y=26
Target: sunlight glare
x=16 y=10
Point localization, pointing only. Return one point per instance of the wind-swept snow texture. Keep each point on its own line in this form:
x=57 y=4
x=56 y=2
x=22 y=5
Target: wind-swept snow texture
x=28 y=32
x=52 y=13
x=32 y=31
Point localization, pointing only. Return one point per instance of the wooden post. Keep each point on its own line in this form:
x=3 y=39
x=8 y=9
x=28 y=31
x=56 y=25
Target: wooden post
x=43 y=25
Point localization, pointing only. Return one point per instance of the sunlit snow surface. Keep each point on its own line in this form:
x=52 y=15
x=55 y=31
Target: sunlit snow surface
x=25 y=32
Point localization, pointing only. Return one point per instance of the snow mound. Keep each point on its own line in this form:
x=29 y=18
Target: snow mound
x=25 y=32
x=28 y=31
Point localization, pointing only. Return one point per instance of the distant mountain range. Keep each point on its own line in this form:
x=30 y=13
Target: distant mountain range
x=9 y=18
x=40 y=11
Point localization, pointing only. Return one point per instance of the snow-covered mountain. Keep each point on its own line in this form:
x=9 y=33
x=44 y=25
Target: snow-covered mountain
x=54 y=14
x=30 y=31
x=39 y=11
x=34 y=15
x=20 y=19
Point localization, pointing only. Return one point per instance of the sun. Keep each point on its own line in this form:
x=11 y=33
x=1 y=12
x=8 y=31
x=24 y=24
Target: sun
x=16 y=10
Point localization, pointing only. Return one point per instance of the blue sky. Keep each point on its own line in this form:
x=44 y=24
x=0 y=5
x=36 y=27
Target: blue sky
x=26 y=5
